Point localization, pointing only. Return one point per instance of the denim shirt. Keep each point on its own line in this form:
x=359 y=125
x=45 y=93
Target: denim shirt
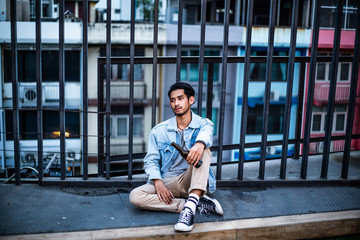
x=161 y=154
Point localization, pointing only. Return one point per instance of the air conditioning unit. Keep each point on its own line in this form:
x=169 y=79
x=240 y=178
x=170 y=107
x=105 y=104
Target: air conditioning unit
x=275 y=95
x=29 y=159
x=28 y=95
x=270 y=150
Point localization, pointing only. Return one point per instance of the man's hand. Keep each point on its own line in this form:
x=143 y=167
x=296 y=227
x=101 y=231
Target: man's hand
x=195 y=154
x=163 y=193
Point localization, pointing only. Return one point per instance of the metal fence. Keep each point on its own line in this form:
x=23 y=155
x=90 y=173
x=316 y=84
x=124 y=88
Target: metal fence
x=104 y=96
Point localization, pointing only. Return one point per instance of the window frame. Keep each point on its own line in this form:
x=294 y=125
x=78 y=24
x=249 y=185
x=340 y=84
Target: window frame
x=187 y=52
x=347 y=10
x=323 y=114
x=328 y=69
x=114 y=127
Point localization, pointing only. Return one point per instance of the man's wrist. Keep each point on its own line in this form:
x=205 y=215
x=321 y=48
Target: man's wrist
x=156 y=181
x=202 y=142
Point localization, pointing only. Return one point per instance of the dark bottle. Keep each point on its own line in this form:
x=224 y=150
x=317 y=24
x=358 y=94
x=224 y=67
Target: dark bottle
x=184 y=153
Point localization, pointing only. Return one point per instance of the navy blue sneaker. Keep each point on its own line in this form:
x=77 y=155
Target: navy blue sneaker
x=209 y=205
x=186 y=221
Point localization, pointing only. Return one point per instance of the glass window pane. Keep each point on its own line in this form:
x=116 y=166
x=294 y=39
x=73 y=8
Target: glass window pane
x=124 y=72
x=344 y=71
x=112 y=133
x=351 y=18
x=7 y=66
x=50 y=68
x=320 y=71
x=122 y=126
x=327 y=16
x=183 y=72
x=28 y=66
x=278 y=72
x=72 y=124
x=72 y=66
x=317 y=109
x=340 y=122
x=316 y=122
x=276 y=113
x=194 y=72
x=255 y=119
x=329 y=69
x=51 y=124
x=138 y=126
x=340 y=108
x=138 y=72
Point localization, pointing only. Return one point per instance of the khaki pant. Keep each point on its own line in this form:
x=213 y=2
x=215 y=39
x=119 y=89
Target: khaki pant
x=145 y=197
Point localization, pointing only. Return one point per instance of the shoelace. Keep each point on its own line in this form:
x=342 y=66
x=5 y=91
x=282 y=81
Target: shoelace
x=185 y=216
x=205 y=208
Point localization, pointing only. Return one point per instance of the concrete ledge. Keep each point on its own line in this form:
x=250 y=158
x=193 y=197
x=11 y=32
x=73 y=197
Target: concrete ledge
x=283 y=227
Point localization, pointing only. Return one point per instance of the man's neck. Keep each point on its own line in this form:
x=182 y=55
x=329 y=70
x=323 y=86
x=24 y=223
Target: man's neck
x=184 y=120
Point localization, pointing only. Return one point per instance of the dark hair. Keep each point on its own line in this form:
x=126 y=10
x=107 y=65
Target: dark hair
x=188 y=90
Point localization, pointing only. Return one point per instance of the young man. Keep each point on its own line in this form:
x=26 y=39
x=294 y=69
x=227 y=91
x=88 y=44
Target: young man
x=175 y=184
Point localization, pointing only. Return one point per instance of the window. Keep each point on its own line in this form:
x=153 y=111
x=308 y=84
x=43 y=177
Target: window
x=190 y=71
x=119 y=122
x=323 y=70
x=255 y=119
x=328 y=14
x=50 y=66
x=119 y=126
x=319 y=118
x=258 y=70
x=261 y=13
x=215 y=11
x=51 y=124
x=121 y=72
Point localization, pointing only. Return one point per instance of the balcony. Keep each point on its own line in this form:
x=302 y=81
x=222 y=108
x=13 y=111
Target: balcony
x=321 y=93
x=119 y=91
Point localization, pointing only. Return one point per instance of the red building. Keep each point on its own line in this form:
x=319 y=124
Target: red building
x=342 y=96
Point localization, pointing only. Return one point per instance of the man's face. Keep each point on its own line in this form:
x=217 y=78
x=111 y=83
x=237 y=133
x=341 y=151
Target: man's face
x=179 y=102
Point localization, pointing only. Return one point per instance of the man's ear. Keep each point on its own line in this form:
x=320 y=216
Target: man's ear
x=191 y=100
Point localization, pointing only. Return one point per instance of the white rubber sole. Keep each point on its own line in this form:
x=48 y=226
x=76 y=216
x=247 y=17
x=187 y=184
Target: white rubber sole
x=218 y=207
x=180 y=227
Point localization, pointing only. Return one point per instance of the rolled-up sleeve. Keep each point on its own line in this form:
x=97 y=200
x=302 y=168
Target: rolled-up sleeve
x=206 y=132
x=152 y=159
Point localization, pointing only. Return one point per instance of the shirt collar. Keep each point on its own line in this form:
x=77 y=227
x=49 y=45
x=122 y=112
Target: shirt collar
x=195 y=123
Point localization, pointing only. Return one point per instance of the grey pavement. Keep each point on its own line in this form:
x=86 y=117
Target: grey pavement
x=29 y=208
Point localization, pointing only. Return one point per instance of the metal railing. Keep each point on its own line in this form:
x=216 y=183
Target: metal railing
x=104 y=107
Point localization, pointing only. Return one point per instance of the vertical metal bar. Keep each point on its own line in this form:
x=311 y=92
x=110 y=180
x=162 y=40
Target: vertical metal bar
x=299 y=113
x=62 y=87
x=243 y=12
x=269 y=61
x=333 y=78
x=201 y=56
x=14 y=76
x=311 y=86
x=351 y=107
x=290 y=81
x=155 y=49
x=131 y=109
x=179 y=41
x=223 y=88
x=39 y=91
x=100 y=118
x=85 y=93
x=209 y=96
x=108 y=72
x=244 y=110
